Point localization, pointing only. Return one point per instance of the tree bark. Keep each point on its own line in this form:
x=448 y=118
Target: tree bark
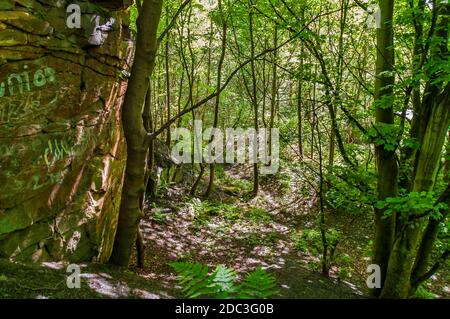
x=385 y=159
x=433 y=130
x=217 y=101
x=135 y=133
x=254 y=91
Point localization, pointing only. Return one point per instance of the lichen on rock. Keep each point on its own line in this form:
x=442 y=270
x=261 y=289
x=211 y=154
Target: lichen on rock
x=61 y=146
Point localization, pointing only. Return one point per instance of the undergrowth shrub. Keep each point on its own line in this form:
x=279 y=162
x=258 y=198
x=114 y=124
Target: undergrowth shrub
x=350 y=191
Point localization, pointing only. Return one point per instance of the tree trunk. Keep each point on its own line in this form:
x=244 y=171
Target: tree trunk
x=167 y=84
x=135 y=133
x=254 y=93
x=217 y=101
x=274 y=95
x=433 y=130
x=385 y=159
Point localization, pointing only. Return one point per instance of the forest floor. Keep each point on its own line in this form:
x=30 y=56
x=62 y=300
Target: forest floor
x=276 y=230
x=240 y=232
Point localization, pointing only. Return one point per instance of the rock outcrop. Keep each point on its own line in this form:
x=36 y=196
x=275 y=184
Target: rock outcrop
x=62 y=152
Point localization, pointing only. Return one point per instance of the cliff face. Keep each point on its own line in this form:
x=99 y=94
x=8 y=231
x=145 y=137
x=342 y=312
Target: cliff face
x=61 y=145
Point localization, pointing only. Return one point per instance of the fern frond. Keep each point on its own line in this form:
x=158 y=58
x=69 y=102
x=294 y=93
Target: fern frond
x=193 y=278
x=224 y=279
x=258 y=284
x=221 y=283
x=196 y=281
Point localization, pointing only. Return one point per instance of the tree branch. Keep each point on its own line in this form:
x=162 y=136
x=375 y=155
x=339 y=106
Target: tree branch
x=172 y=22
x=432 y=270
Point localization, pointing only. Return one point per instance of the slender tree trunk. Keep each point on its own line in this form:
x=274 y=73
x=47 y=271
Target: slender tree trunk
x=217 y=101
x=140 y=249
x=274 y=95
x=447 y=160
x=385 y=159
x=340 y=70
x=147 y=117
x=208 y=82
x=322 y=223
x=254 y=92
x=135 y=133
x=168 y=88
x=300 y=114
x=264 y=85
x=311 y=112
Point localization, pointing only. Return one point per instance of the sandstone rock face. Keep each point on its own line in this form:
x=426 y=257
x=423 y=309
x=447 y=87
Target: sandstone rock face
x=61 y=145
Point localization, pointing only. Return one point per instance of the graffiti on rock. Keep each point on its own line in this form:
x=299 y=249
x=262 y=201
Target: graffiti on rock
x=55 y=151
x=99 y=31
x=13 y=110
x=19 y=83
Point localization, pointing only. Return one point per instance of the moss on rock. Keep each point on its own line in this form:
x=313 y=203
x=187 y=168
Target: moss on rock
x=61 y=149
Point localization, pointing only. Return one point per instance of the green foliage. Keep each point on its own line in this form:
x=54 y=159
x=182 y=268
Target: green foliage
x=187 y=257
x=259 y=215
x=222 y=282
x=255 y=239
x=410 y=143
x=344 y=265
x=423 y=293
x=384 y=134
x=232 y=214
x=195 y=280
x=257 y=284
x=412 y=203
x=205 y=210
x=310 y=241
x=133 y=17
x=442 y=243
x=368 y=249
x=242 y=184
x=159 y=217
x=386 y=101
x=351 y=191
x=164 y=185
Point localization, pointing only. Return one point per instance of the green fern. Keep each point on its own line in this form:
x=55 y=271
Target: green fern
x=259 y=284
x=194 y=279
x=221 y=283
x=224 y=278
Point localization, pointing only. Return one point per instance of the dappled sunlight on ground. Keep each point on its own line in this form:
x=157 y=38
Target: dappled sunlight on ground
x=49 y=281
x=241 y=237
x=103 y=284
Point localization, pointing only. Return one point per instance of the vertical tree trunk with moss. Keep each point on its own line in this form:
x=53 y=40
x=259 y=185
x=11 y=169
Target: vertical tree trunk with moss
x=415 y=238
x=385 y=159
